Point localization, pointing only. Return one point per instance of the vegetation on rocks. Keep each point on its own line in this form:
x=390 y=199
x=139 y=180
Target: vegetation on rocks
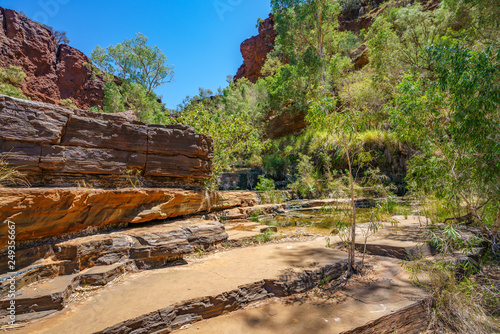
x=11 y=78
x=9 y=175
x=132 y=70
x=419 y=116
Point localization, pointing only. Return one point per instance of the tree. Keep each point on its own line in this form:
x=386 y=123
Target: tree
x=230 y=118
x=307 y=24
x=60 y=36
x=133 y=96
x=452 y=118
x=313 y=50
x=472 y=21
x=135 y=61
x=344 y=127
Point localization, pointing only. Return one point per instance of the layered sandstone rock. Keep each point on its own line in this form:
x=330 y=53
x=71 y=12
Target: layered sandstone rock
x=131 y=249
x=150 y=246
x=54 y=72
x=40 y=213
x=255 y=49
x=57 y=146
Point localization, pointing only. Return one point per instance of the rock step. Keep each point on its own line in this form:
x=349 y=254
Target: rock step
x=191 y=311
x=402 y=239
x=412 y=319
x=102 y=275
x=156 y=300
x=42 y=270
x=144 y=247
x=44 y=215
x=53 y=294
x=244 y=212
x=394 y=249
x=149 y=247
x=382 y=301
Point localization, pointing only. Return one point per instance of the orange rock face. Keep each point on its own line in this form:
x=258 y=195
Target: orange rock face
x=54 y=72
x=255 y=49
x=40 y=213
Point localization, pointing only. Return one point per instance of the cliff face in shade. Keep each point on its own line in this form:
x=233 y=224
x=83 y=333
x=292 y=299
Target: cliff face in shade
x=54 y=72
x=255 y=49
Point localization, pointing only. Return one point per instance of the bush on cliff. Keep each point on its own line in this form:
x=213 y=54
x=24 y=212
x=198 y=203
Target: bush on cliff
x=232 y=125
x=133 y=69
x=11 y=78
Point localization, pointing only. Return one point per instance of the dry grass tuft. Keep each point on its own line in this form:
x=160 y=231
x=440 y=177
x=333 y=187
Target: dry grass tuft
x=10 y=175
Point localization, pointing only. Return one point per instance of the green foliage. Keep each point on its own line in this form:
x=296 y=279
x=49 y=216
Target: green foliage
x=267 y=236
x=135 y=61
x=305 y=184
x=265 y=184
x=350 y=7
x=473 y=22
x=315 y=51
x=448 y=239
x=230 y=119
x=453 y=120
x=142 y=68
x=459 y=305
x=11 y=78
x=133 y=96
x=68 y=103
x=274 y=197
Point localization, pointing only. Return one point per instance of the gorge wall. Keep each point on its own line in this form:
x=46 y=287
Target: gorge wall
x=57 y=146
x=54 y=72
x=255 y=49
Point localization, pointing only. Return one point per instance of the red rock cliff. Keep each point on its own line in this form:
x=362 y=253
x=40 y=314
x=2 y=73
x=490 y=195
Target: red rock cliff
x=54 y=72
x=255 y=49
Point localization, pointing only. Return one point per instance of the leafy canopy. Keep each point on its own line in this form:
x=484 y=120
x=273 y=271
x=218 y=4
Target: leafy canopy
x=453 y=118
x=136 y=61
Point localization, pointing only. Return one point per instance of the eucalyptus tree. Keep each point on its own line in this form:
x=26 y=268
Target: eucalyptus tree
x=343 y=126
x=307 y=29
x=135 y=61
x=453 y=118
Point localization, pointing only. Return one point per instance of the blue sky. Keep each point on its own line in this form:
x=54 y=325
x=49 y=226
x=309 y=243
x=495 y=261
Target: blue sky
x=200 y=37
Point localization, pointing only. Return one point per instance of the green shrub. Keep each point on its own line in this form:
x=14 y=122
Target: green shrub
x=133 y=96
x=305 y=184
x=11 y=78
x=267 y=236
x=274 y=196
x=265 y=184
x=68 y=103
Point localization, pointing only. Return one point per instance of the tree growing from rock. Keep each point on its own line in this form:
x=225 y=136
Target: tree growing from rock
x=135 y=61
x=344 y=127
x=133 y=69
